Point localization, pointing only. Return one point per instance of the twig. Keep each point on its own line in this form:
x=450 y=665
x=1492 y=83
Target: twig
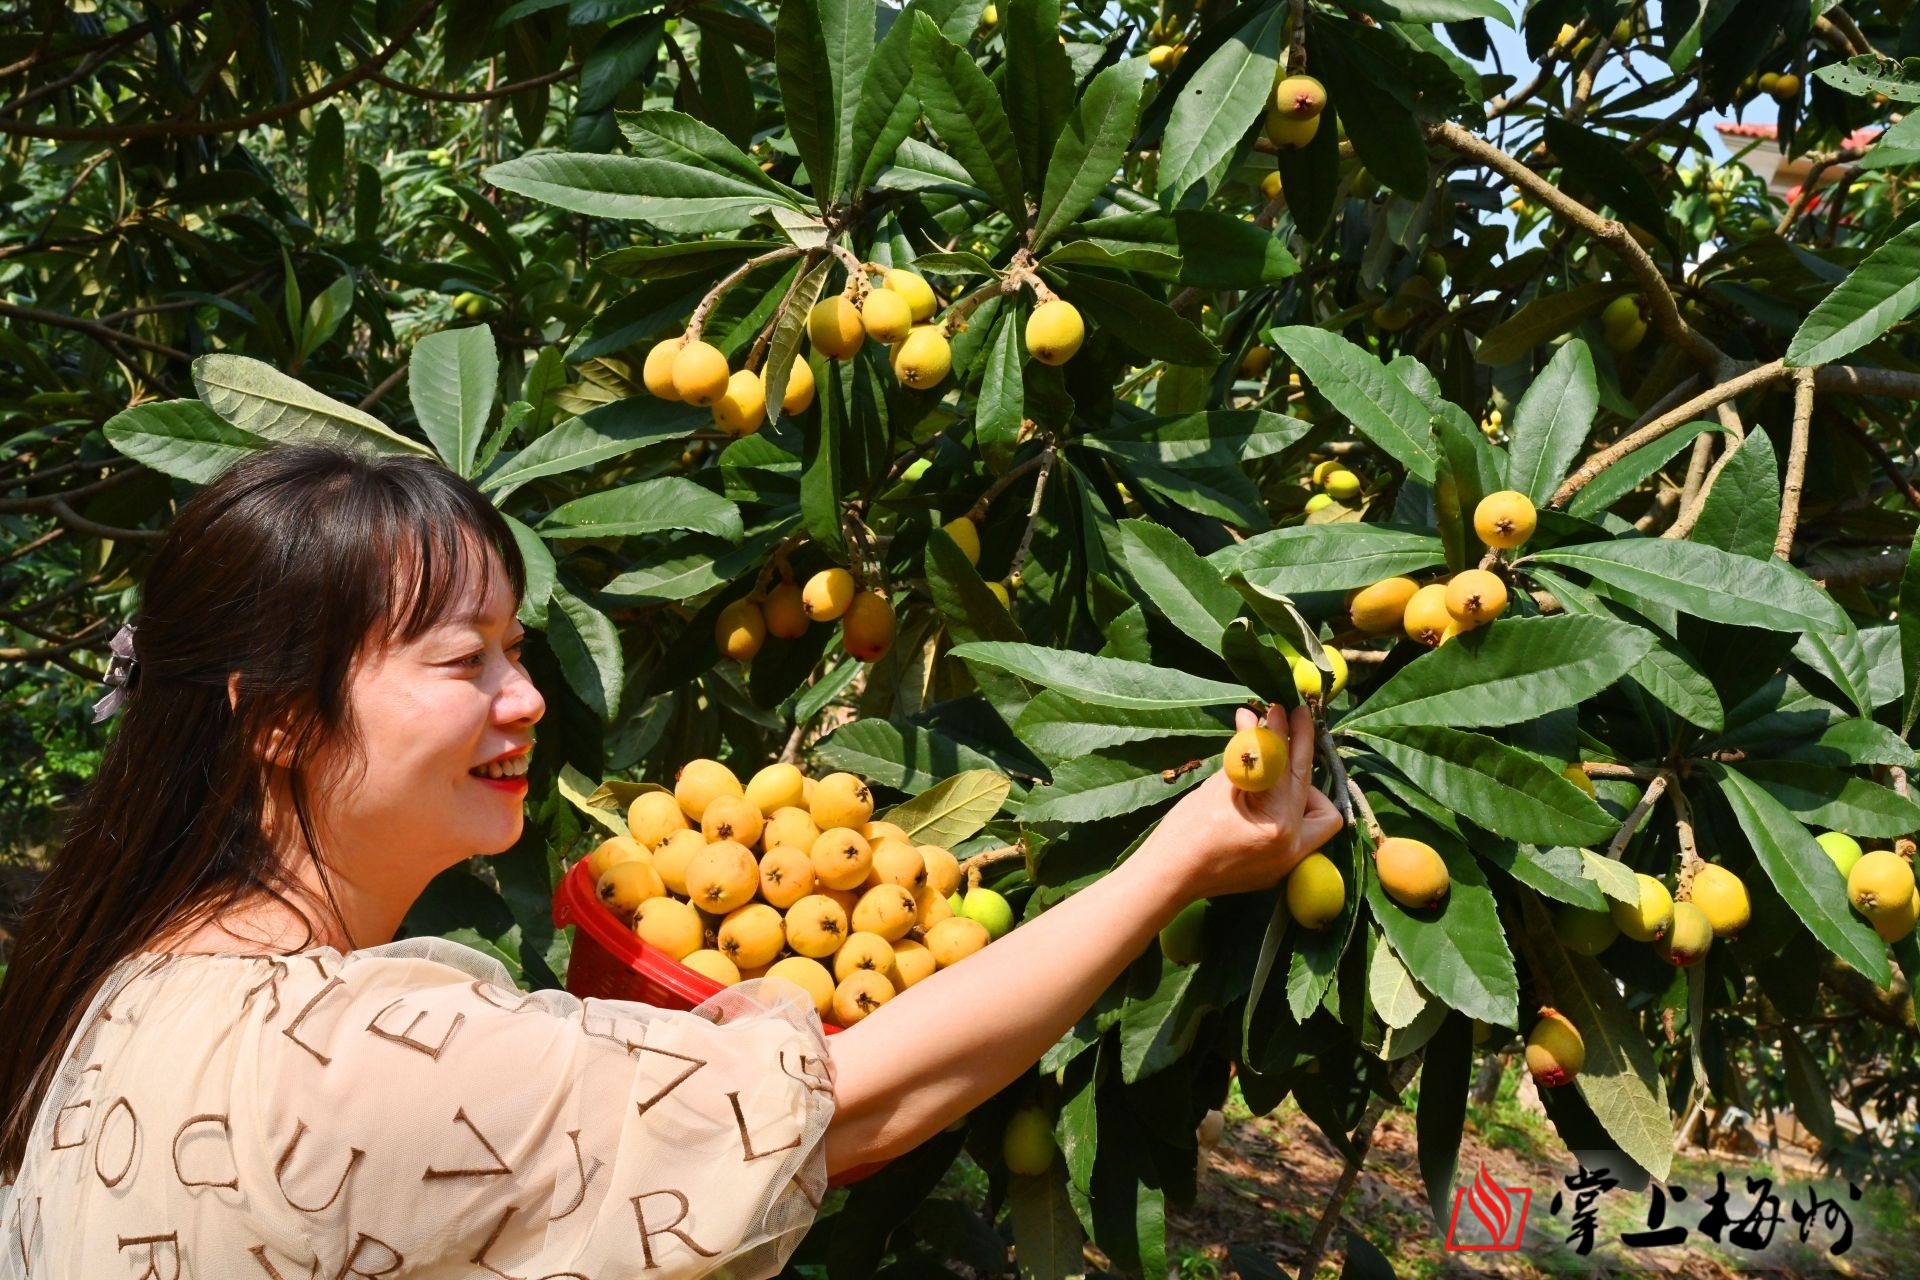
x=476 y=95
x=698 y=320
x=790 y=754
x=1759 y=376
x=1583 y=83
x=98 y=332
x=1637 y=772
x=978 y=511
x=80 y=524
x=1648 y=799
x=1361 y=1141
x=387 y=384
x=1796 y=463
x=1367 y=819
x=1888 y=467
x=1047 y=458
x=205 y=128
x=1611 y=232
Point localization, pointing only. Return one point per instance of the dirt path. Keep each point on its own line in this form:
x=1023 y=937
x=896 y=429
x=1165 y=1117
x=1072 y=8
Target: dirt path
x=1270 y=1177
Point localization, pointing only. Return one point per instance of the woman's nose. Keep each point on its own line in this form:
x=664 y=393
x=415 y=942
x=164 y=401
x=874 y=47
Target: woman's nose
x=519 y=701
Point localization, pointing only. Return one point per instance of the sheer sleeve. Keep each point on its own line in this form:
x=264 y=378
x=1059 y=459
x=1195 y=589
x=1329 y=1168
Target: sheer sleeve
x=417 y=1109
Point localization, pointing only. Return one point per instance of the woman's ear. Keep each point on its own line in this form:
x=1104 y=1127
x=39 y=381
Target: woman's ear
x=276 y=751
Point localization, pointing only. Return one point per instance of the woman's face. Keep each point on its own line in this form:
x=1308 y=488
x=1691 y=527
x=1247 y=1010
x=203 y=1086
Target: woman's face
x=440 y=717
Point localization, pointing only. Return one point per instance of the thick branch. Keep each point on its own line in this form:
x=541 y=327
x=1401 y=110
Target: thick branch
x=1760 y=376
x=98 y=332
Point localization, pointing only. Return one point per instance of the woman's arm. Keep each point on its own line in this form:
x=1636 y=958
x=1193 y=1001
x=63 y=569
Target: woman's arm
x=952 y=1040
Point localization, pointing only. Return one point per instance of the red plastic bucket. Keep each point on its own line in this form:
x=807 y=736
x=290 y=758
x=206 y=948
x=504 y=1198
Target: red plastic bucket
x=609 y=962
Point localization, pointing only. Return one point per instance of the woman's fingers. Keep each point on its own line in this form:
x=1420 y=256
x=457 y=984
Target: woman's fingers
x=1303 y=741
x=1244 y=718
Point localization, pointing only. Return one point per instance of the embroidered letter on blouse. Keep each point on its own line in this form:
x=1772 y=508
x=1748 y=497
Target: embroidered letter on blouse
x=407 y=1110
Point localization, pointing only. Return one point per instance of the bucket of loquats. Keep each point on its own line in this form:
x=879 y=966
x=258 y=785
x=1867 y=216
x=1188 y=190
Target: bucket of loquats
x=785 y=877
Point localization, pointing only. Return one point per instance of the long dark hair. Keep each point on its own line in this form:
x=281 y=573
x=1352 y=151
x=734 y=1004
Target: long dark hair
x=273 y=580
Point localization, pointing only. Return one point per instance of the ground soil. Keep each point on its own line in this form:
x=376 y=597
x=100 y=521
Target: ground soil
x=1267 y=1182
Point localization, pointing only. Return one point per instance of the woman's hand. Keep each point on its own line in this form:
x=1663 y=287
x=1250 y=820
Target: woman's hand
x=948 y=1042
x=1219 y=839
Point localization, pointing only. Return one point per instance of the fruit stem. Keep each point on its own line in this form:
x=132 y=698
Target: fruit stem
x=1690 y=859
x=1648 y=799
x=698 y=320
x=857 y=284
x=978 y=511
x=1601 y=769
x=979 y=862
x=1374 y=831
x=1047 y=457
x=1337 y=773
x=1297 y=62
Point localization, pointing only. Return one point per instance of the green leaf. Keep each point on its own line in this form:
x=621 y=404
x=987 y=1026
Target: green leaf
x=181 y=438
x=1551 y=423
x=789 y=330
x=1835 y=800
x=1327 y=557
x=670 y=502
x=1492 y=784
x=1376 y=106
x=1841 y=658
x=1457 y=950
x=620 y=58
x=965 y=112
x=1088 y=152
x=326 y=161
x=1396 y=998
x=669 y=194
x=541 y=573
x=1366 y=392
x=1144 y=323
x=1440 y=1115
x=1809 y=1090
x=324 y=315
x=1705 y=582
x=906 y=757
x=677 y=137
x=610 y=431
x=1624 y=476
x=826 y=437
x=1742 y=510
x=1211 y=438
x=1518 y=670
x=1666 y=671
x=452 y=376
x=1868 y=74
x=888 y=110
x=1875 y=296
x=587 y=645
x=1544 y=319
x=1909 y=614
x=1001 y=410
x=1218 y=104
x=1106 y=784
x=1200 y=247
x=1111 y=682
x=1602 y=166
x=953 y=811
x=1806 y=877
x=822 y=48
x=261 y=400
x=1182 y=586
x=1620 y=1081
x=1431 y=11
x=1047 y=1236
x=1037 y=83
x=1058 y=727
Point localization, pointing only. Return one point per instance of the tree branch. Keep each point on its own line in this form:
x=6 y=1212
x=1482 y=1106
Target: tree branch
x=1796 y=463
x=98 y=332
x=475 y=95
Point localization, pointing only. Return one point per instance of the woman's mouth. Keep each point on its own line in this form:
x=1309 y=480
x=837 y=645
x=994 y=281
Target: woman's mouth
x=508 y=774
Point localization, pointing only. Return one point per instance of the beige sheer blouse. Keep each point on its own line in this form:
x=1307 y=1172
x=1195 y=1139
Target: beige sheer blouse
x=406 y=1110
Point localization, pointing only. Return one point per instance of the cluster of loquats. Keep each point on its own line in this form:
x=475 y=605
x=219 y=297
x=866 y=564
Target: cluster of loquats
x=695 y=372
x=1336 y=484
x=791 y=877
x=1434 y=613
x=1712 y=903
x=787 y=609
x=1167 y=44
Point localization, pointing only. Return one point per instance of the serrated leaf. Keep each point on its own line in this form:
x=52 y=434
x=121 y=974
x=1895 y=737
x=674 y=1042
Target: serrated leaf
x=1875 y=296
x=952 y=811
x=670 y=502
x=1112 y=682
x=1458 y=950
x=1492 y=784
x=588 y=648
x=1057 y=727
x=1705 y=582
x=1395 y=996
x=1552 y=421
x=1181 y=585
x=1624 y=476
x=668 y=194
x=1327 y=557
x=965 y=112
x=789 y=329
x=1218 y=104
x=1088 y=151
x=1366 y=392
x=906 y=757
x=452 y=377
x=1544 y=319
x=1516 y=670
x=259 y=399
x=610 y=431
x=1805 y=876
x=181 y=438
x=1834 y=799
x=1106 y=784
